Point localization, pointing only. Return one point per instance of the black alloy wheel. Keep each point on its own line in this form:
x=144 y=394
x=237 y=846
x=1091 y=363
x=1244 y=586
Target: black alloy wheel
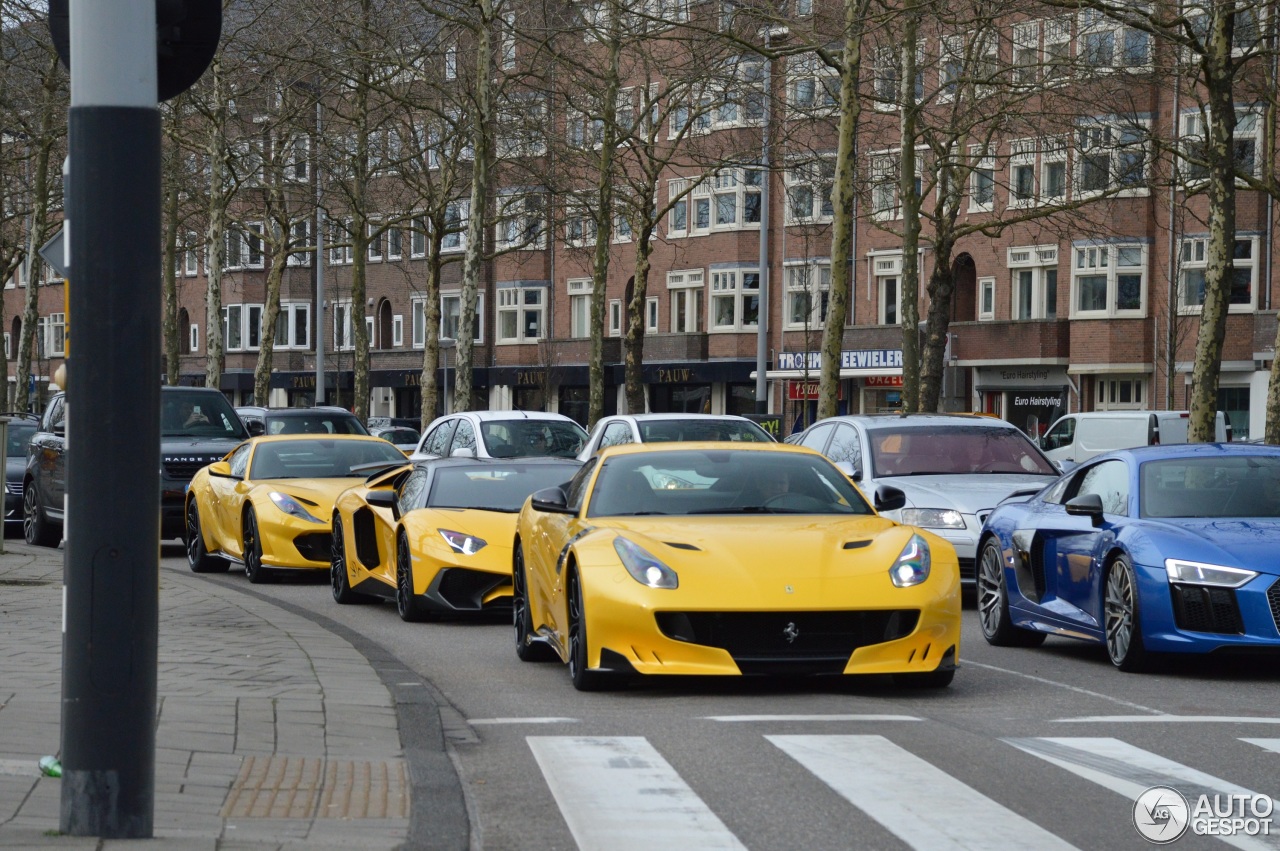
x=993 y=603
x=253 y=551
x=409 y=607
x=36 y=528
x=198 y=558
x=527 y=650
x=1120 y=616
x=583 y=678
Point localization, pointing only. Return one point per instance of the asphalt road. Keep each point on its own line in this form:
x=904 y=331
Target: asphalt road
x=1042 y=748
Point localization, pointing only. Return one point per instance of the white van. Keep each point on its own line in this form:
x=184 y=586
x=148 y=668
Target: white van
x=1079 y=437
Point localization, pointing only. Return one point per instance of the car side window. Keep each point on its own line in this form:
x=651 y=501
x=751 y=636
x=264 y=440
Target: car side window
x=1061 y=434
x=56 y=417
x=240 y=461
x=817 y=436
x=411 y=491
x=437 y=443
x=577 y=487
x=1110 y=481
x=1056 y=495
x=463 y=438
x=845 y=446
x=615 y=434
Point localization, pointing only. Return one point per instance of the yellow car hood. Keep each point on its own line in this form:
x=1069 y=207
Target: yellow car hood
x=322 y=492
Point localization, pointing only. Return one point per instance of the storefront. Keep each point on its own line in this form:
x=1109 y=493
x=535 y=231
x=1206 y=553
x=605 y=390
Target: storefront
x=1030 y=397
x=870 y=382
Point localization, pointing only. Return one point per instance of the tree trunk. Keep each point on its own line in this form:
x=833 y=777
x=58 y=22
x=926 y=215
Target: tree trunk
x=169 y=283
x=910 y=200
x=634 y=356
x=431 y=326
x=604 y=217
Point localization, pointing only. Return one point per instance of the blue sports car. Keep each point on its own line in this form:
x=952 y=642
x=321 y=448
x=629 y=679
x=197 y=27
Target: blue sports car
x=1163 y=549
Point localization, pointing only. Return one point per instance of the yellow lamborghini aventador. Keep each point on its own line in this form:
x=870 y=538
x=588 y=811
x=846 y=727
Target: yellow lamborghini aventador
x=267 y=504
x=729 y=558
x=436 y=538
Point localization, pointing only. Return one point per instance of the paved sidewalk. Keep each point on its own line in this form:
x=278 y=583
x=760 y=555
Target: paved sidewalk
x=273 y=732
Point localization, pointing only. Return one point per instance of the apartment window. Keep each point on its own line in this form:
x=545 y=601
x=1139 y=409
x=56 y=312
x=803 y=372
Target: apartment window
x=678 y=217
x=1026 y=53
x=242 y=327
x=299 y=243
x=418 y=238
x=456 y=215
x=521 y=314
x=887 y=271
x=451 y=313
x=55 y=334
x=811 y=84
x=508 y=46
x=651 y=315
x=886 y=73
x=340 y=248
x=884 y=186
x=1035 y=281
x=190 y=259
x=808 y=291
x=193 y=339
x=615 y=317
x=584 y=132
x=1022 y=173
x=579 y=225
x=520 y=223
x=1057 y=48
x=1120 y=392
x=729 y=200
x=951 y=67
x=810 y=187
x=1053 y=171
x=1106 y=44
x=298 y=160
x=728 y=14
x=982 y=181
x=1191 y=279
x=986 y=298
x=1246 y=142
x=1111 y=155
x=685 y=289
x=621 y=227
x=1109 y=280
x=246 y=162
x=375 y=243
x=737 y=103
x=293 y=326
x=735 y=299
x=242 y=247
x=451 y=61
x=395 y=243
x=344 y=334
x=520 y=123
x=579 y=307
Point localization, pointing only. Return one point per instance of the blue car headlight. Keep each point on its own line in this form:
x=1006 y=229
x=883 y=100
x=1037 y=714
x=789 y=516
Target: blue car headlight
x=933 y=518
x=1198 y=573
x=461 y=542
x=292 y=507
x=643 y=566
x=911 y=567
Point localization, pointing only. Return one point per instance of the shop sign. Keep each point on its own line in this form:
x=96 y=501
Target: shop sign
x=798 y=391
x=893 y=381
x=849 y=359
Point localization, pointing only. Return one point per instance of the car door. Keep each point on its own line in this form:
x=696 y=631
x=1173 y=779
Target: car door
x=224 y=503
x=464 y=438
x=411 y=496
x=50 y=445
x=543 y=555
x=816 y=437
x=436 y=443
x=617 y=433
x=846 y=445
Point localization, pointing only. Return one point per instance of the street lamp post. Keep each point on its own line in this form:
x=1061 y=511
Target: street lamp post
x=445 y=344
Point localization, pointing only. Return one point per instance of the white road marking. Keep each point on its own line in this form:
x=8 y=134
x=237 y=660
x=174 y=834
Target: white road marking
x=1066 y=686
x=1167 y=719
x=732 y=719
x=1130 y=771
x=479 y=722
x=920 y=803
x=19 y=768
x=1272 y=745
x=618 y=794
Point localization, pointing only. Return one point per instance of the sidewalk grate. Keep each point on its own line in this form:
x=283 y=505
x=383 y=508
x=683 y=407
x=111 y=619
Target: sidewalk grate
x=313 y=787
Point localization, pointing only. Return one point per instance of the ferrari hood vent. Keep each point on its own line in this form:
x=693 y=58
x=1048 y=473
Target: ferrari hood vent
x=303 y=500
x=856 y=545
x=680 y=546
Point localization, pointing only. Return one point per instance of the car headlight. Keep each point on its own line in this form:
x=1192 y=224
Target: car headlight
x=460 y=542
x=911 y=567
x=292 y=507
x=933 y=518
x=1197 y=573
x=643 y=566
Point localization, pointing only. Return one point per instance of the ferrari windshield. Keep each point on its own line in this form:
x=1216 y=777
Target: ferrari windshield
x=722 y=481
x=668 y=431
x=525 y=438
x=954 y=450
x=492 y=488
x=319 y=458
x=1227 y=486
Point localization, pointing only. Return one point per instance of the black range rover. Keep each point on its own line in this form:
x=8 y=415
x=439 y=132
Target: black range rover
x=197 y=427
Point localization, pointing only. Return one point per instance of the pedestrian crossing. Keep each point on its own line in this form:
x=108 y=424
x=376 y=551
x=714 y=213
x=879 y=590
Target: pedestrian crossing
x=620 y=793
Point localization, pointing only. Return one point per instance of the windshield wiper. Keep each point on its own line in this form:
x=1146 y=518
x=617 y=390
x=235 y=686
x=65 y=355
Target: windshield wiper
x=638 y=513
x=734 y=509
x=477 y=508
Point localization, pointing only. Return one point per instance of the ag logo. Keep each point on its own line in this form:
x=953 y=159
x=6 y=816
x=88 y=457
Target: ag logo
x=1161 y=814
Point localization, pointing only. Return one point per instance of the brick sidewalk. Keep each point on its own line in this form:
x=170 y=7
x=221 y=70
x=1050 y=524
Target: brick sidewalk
x=273 y=732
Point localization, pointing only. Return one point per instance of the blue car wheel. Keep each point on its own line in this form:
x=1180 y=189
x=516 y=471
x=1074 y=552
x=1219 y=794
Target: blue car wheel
x=1124 y=628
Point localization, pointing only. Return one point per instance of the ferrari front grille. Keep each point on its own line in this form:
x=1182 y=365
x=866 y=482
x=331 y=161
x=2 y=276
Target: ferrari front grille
x=771 y=642
x=1273 y=597
x=1199 y=608
x=465 y=589
x=315 y=546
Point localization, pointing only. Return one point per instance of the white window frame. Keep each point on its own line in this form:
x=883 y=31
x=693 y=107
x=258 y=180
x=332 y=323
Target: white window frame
x=1193 y=259
x=194 y=338
x=55 y=327
x=521 y=301
x=725 y=196
x=395 y=243
x=799 y=283
x=373 y=247
x=652 y=308
x=300 y=234
x=507 y=48
x=521 y=222
x=684 y=289
x=1056 y=56
x=1032 y=268
x=732 y=284
x=287 y=323
x=448 y=299
x=579 y=290
x=519 y=128
x=583 y=132
x=886 y=267
x=679 y=207
x=579 y=225
x=1118 y=140
x=298 y=165
x=397 y=330
x=451 y=61
x=886 y=74
x=1053 y=158
x=813 y=88
x=344 y=334
x=984 y=164
x=1022 y=161
x=418 y=238
x=1101 y=59
x=885 y=204
x=1109 y=390
x=615 y=317
x=1111 y=261
x=1193 y=133
x=454 y=239
x=1025 y=55
x=986 y=299
x=810 y=187
x=246 y=326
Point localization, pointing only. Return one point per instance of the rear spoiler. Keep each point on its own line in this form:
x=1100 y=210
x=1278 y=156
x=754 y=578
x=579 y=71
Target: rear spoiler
x=376 y=468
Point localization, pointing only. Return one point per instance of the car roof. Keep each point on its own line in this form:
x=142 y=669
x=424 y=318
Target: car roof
x=294 y=412
x=285 y=438
x=492 y=416
x=538 y=460
x=1194 y=450
x=649 y=416
x=898 y=421
x=683 y=446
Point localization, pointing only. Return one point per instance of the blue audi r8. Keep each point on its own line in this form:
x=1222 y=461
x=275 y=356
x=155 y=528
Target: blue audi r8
x=1162 y=549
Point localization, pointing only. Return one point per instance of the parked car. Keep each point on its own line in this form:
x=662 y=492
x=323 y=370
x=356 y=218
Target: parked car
x=1079 y=437
x=436 y=538
x=954 y=468
x=325 y=419
x=405 y=439
x=268 y=505
x=501 y=434
x=769 y=563
x=1162 y=549
x=665 y=428
x=20 y=429
x=197 y=427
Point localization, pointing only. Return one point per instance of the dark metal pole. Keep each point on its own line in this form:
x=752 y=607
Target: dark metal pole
x=113 y=467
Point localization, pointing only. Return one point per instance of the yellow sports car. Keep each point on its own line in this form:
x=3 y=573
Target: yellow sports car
x=729 y=558
x=267 y=504
x=436 y=538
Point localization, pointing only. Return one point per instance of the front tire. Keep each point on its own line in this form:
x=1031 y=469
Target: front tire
x=993 y=603
x=198 y=558
x=409 y=607
x=36 y=528
x=1121 y=617
x=583 y=678
x=253 y=551
x=527 y=650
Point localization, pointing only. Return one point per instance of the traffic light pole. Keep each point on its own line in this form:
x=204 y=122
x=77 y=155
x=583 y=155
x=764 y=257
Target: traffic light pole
x=111 y=583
